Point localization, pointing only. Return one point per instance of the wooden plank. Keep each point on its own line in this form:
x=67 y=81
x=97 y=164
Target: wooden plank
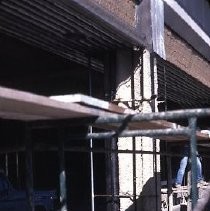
x=27 y=106
x=155 y=124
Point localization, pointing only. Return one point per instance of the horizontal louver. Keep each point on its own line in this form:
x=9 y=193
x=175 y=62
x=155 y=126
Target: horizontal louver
x=176 y=86
x=57 y=28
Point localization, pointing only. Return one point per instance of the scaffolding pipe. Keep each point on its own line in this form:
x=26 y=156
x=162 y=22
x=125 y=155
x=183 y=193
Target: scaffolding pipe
x=29 y=170
x=134 y=173
x=178 y=114
x=193 y=156
x=169 y=180
x=17 y=167
x=111 y=144
x=133 y=138
x=114 y=173
x=149 y=133
x=62 y=173
x=92 y=174
x=6 y=164
x=91 y=141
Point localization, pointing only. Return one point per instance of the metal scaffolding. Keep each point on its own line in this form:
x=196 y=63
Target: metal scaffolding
x=188 y=133
x=107 y=123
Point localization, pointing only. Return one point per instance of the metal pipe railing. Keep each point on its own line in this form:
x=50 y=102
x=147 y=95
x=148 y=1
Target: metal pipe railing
x=168 y=115
x=188 y=132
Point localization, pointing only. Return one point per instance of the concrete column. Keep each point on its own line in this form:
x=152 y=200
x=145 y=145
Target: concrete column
x=123 y=94
x=138 y=173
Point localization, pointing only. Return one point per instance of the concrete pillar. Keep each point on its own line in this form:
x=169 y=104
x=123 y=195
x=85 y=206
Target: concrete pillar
x=123 y=94
x=138 y=173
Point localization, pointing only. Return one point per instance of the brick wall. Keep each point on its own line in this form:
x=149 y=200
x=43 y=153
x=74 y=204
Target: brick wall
x=186 y=58
x=124 y=10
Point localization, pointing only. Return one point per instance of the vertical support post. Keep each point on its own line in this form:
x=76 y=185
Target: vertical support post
x=17 y=167
x=62 y=172
x=92 y=173
x=29 y=170
x=156 y=142
x=111 y=144
x=189 y=202
x=114 y=173
x=107 y=95
x=6 y=164
x=112 y=186
x=133 y=98
x=91 y=142
x=134 y=173
x=108 y=173
x=193 y=156
x=169 y=179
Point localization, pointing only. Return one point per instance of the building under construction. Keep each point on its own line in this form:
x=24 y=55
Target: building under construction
x=97 y=99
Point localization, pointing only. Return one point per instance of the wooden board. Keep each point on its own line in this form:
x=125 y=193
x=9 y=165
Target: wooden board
x=27 y=107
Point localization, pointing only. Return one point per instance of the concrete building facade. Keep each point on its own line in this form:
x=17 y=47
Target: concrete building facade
x=145 y=55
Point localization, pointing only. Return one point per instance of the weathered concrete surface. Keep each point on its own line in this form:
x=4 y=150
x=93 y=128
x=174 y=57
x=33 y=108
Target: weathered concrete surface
x=138 y=173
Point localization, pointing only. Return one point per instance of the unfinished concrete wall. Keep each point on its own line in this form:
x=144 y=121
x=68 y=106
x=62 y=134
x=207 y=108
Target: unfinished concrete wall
x=138 y=173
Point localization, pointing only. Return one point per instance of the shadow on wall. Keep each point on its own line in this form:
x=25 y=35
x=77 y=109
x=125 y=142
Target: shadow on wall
x=149 y=199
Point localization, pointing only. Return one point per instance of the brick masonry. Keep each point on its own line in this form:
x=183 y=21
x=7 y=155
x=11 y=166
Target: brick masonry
x=123 y=10
x=181 y=54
